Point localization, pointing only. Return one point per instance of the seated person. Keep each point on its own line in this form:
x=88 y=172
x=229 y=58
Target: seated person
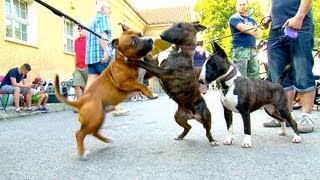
x=11 y=84
x=40 y=97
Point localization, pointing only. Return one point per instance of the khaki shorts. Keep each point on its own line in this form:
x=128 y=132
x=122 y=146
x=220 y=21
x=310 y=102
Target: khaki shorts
x=80 y=77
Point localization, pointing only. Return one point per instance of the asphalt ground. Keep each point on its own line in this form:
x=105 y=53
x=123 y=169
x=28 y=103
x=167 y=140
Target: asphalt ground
x=43 y=147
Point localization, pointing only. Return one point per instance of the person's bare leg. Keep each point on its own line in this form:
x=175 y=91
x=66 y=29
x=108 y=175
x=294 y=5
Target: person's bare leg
x=16 y=98
x=78 y=91
x=290 y=95
x=28 y=97
x=91 y=79
x=40 y=99
x=307 y=100
x=45 y=100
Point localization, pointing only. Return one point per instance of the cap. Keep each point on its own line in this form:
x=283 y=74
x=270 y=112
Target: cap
x=38 y=80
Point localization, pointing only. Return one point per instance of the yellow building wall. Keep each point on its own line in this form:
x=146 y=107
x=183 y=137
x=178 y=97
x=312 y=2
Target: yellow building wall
x=49 y=57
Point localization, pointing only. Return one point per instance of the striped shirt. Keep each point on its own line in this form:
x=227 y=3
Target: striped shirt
x=94 y=51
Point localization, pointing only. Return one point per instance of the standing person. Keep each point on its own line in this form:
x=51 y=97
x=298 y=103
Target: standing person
x=99 y=52
x=244 y=32
x=11 y=84
x=283 y=50
x=200 y=56
x=80 y=74
x=40 y=97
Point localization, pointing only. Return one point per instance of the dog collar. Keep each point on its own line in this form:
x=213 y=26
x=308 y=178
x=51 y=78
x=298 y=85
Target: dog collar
x=120 y=53
x=230 y=75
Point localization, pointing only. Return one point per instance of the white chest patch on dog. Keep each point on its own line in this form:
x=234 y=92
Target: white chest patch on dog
x=163 y=55
x=230 y=100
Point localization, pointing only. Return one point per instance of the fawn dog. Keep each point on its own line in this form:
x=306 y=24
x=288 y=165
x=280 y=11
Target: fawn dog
x=112 y=87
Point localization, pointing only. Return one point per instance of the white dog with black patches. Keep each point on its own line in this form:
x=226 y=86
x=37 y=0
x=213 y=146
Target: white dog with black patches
x=243 y=95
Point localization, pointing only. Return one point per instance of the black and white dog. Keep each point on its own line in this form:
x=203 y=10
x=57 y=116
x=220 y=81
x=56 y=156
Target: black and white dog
x=243 y=95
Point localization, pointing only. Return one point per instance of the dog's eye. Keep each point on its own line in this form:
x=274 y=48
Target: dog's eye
x=133 y=42
x=139 y=35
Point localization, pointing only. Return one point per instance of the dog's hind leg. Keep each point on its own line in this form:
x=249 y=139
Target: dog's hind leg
x=287 y=115
x=272 y=111
x=206 y=121
x=80 y=135
x=182 y=116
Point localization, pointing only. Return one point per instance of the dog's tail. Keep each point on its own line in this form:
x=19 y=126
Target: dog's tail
x=59 y=96
x=284 y=73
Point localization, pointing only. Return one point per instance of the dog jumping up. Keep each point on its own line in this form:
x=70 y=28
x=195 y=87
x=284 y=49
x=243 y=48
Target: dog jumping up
x=177 y=77
x=243 y=95
x=112 y=87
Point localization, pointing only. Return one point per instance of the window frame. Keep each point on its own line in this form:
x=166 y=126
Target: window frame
x=69 y=29
x=26 y=20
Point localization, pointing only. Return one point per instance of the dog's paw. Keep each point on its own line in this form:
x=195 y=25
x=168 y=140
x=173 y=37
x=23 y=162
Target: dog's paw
x=214 y=143
x=283 y=133
x=108 y=140
x=84 y=156
x=296 y=139
x=228 y=141
x=152 y=97
x=246 y=142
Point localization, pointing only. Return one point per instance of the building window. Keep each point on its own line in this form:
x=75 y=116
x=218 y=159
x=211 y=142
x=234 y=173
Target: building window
x=17 y=22
x=68 y=34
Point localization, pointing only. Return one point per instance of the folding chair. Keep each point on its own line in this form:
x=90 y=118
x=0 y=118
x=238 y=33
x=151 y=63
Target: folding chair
x=5 y=103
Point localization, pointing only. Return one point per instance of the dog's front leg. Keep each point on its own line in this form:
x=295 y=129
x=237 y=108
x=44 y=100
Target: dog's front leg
x=131 y=85
x=155 y=70
x=228 y=119
x=247 y=129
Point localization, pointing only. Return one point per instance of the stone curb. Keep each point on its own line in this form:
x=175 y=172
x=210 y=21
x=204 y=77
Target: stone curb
x=53 y=107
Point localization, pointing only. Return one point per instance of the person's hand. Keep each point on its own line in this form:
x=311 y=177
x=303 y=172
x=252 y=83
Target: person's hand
x=30 y=85
x=294 y=23
x=105 y=58
x=265 y=22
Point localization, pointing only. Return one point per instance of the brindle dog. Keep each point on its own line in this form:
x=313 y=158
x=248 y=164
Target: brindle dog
x=177 y=77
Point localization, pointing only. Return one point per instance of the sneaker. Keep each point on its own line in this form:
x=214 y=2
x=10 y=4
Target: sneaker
x=274 y=123
x=18 y=110
x=44 y=109
x=305 y=124
x=121 y=112
x=30 y=109
x=38 y=109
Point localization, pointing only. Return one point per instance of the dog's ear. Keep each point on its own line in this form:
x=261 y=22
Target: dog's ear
x=198 y=26
x=219 y=50
x=124 y=27
x=115 y=43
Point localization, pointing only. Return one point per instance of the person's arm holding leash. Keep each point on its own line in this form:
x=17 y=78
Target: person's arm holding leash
x=104 y=44
x=296 y=21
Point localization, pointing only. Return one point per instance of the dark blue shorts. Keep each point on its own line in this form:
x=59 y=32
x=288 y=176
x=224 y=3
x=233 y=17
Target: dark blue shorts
x=97 y=68
x=283 y=51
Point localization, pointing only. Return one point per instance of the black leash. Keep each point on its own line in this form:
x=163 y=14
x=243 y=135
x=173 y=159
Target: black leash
x=61 y=14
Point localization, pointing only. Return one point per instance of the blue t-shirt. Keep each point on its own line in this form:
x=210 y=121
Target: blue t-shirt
x=282 y=10
x=241 y=39
x=12 y=73
x=199 y=57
